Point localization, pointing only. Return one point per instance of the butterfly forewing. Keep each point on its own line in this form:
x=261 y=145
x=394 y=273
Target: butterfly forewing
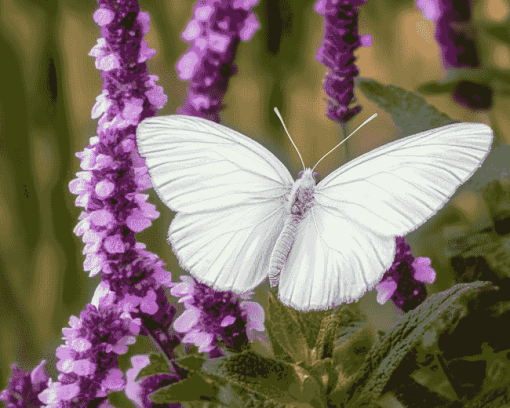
x=348 y=240
x=395 y=188
x=230 y=194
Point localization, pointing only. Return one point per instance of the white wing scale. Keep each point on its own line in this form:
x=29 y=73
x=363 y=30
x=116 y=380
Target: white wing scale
x=395 y=188
x=229 y=192
x=347 y=241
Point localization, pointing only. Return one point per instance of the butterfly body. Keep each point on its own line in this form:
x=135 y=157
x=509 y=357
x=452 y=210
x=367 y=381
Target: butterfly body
x=241 y=218
x=298 y=204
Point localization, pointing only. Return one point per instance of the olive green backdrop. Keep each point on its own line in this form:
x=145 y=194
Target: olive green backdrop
x=49 y=85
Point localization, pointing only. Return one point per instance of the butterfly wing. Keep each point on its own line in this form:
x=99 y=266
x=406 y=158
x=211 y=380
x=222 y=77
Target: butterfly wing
x=229 y=192
x=346 y=242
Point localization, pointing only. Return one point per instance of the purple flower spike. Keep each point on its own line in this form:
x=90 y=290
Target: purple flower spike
x=404 y=283
x=130 y=300
x=88 y=360
x=139 y=391
x=214 y=32
x=24 y=386
x=454 y=33
x=211 y=316
x=340 y=40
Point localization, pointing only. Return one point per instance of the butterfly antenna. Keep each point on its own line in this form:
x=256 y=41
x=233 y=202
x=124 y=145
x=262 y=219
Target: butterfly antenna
x=364 y=123
x=295 y=147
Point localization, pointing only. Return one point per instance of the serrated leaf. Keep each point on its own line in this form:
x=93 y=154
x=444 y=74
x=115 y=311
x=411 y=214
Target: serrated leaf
x=442 y=311
x=157 y=365
x=409 y=111
x=195 y=388
x=310 y=323
x=118 y=399
x=268 y=378
x=284 y=330
x=192 y=362
x=331 y=328
x=324 y=371
x=307 y=389
x=347 y=359
x=255 y=373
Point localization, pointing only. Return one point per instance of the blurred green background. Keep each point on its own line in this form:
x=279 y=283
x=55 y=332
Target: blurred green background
x=49 y=85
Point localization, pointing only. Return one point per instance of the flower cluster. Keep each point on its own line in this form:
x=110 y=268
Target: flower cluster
x=340 y=41
x=212 y=315
x=404 y=283
x=455 y=34
x=214 y=33
x=24 y=387
x=130 y=299
x=88 y=360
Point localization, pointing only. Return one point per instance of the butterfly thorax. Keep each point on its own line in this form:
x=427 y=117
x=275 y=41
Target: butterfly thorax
x=301 y=195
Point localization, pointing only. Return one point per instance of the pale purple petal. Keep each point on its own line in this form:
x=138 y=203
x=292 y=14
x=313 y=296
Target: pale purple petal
x=385 y=290
x=424 y=272
x=187 y=65
x=187 y=320
x=103 y=16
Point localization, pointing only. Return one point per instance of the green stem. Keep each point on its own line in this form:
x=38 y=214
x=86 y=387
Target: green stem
x=346 y=144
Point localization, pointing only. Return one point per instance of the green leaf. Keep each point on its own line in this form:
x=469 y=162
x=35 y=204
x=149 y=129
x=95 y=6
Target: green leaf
x=345 y=319
x=409 y=111
x=441 y=311
x=118 y=399
x=307 y=389
x=271 y=380
x=195 y=388
x=253 y=372
x=285 y=331
x=348 y=358
x=437 y=87
x=192 y=362
x=411 y=393
x=310 y=323
x=158 y=365
x=493 y=77
x=498 y=30
x=325 y=373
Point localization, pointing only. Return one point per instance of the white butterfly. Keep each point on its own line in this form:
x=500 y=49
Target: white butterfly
x=241 y=217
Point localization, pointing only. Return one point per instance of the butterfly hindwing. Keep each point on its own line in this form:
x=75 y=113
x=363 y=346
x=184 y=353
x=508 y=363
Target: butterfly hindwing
x=333 y=261
x=229 y=192
x=347 y=240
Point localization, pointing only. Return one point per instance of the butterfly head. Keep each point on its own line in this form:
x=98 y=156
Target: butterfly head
x=307 y=172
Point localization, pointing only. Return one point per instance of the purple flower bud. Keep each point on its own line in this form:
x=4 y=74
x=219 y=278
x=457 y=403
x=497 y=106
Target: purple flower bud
x=340 y=40
x=212 y=316
x=403 y=283
x=25 y=386
x=214 y=33
x=455 y=34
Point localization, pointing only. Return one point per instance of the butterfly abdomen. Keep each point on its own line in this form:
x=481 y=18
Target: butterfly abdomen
x=300 y=200
x=282 y=247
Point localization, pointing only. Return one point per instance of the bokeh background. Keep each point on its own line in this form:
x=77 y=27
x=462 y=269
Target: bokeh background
x=49 y=85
